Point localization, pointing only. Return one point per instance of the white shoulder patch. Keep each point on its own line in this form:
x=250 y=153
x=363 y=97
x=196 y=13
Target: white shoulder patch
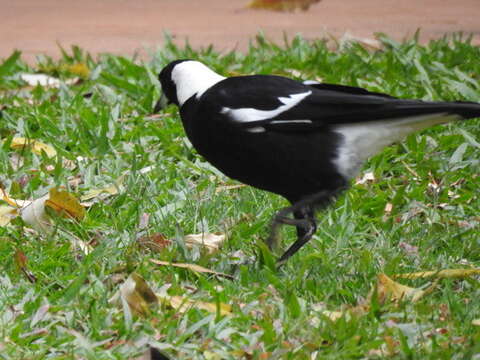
x=251 y=114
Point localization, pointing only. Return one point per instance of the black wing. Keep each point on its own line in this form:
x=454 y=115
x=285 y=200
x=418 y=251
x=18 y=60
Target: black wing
x=270 y=102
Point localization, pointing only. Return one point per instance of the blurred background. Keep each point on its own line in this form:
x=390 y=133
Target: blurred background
x=130 y=26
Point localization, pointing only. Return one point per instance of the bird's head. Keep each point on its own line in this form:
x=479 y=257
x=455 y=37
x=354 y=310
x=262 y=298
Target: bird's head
x=181 y=79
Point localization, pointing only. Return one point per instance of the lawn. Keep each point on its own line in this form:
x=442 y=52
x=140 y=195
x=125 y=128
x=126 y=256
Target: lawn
x=418 y=209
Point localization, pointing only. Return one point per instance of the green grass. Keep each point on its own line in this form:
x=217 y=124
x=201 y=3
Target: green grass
x=275 y=313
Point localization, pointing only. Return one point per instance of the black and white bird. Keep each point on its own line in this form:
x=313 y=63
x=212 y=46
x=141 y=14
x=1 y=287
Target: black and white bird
x=303 y=141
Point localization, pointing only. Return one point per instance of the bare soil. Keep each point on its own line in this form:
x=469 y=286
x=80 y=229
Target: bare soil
x=131 y=26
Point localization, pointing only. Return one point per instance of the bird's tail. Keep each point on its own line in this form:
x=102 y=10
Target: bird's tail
x=465 y=110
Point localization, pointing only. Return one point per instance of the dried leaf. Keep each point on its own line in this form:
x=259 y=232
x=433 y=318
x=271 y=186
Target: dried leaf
x=210 y=241
x=368 y=43
x=440 y=274
x=40 y=79
x=34 y=214
x=476 y=322
x=282 y=5
x=37 y=147
x=65 y=203
x=21 y=262
x=387 y=289
x=366 y=178
x=192 y=267
x=7 y=213
x=333 y=315
x=138 y=295
x=409 y=249
x=155 y=242
x=44 y=80
x=182 y=304
x=387 y=211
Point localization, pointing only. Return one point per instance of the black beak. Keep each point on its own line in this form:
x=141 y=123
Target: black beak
x=161 y=104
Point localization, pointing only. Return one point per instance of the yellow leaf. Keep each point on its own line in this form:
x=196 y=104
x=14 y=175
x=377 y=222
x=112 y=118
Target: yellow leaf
x=210 y=241
x=21 y=143
x=14 y=202
x=282 y=5
x=333 y=315
x=138 y=295
x=79 y=69
x=183 y=304
x=64 y=202
x=440 y=274
x=476 y=322
x=33 y=211
x=193 y=267
x=389 y=289
x=7 y=213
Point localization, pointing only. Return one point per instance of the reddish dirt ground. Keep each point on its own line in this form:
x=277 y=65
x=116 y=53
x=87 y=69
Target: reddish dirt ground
x=130 y=26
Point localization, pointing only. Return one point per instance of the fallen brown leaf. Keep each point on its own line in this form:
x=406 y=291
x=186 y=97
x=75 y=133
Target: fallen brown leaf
x=37 y=147
x=366 y=178
x=33 y=211
x=192 y=267
x=138 y=295
x=155 y=242
x=64 y=202
x=21 y=262
x=182 y=304
x=282 y=5
x=7 y=213
x=210 y=241
x=368 y=43
x=387 y=289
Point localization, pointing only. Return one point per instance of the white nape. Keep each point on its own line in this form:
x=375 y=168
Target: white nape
x=251 y=114
x=193 y=77
x=362 y=140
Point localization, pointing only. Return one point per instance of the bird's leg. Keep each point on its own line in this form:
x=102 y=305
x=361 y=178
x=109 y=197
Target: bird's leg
x=281 y=218
x=304 y=218
x=304 y=233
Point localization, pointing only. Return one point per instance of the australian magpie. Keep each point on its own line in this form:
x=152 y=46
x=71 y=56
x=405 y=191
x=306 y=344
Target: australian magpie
x=302 y=140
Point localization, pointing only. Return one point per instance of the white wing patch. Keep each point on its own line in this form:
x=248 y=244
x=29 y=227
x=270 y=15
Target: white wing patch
x=291 y=122
x=362 y=140
x=311 y=82
x=256 y=129
x=251 y=114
